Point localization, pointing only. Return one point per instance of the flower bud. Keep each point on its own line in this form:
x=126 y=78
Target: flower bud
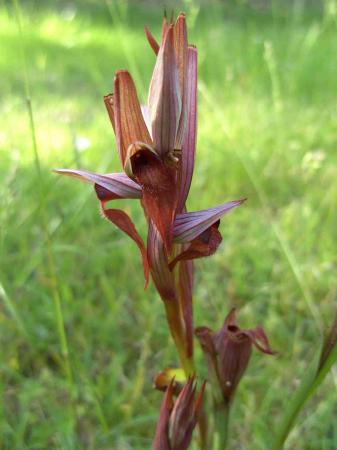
x=178 y=419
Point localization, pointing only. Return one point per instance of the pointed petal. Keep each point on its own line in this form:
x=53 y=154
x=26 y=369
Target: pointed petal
x=184 y=416
x=124 y=223
x=259 y=339
x=129 y=123
x=153 y=43
x=189 y=142
x=113 y=185
x=161 y=440
x=109 y=104
x=158 y=184
x=164 y=97
x=206 y=244
x=181 y=53
x=188 y=226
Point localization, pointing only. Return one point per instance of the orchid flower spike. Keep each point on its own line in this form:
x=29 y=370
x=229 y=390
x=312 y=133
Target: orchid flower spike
x=157 y=157
x=228 y=353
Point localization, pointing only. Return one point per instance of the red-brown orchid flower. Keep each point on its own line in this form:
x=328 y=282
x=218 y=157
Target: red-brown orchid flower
x=158 y=163
x=228 y=353
x=178 y=419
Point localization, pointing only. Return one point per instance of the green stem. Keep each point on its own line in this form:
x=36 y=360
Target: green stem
x=221 y=421
x=308 y=386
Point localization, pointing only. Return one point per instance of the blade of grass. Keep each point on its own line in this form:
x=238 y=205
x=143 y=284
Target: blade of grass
x=50 y=257
x=12 y=310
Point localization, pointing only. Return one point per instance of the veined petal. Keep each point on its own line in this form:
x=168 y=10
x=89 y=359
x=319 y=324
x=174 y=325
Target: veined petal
x=128 y=118
x=124 y=223
x=181 y=53
x=152 y=41
x=165 y=97
x=189 y=144
x=188 y=226
x=206 y=244
x=161 y=440
x=116 y=185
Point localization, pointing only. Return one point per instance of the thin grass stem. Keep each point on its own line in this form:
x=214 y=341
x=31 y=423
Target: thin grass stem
x=50 y=257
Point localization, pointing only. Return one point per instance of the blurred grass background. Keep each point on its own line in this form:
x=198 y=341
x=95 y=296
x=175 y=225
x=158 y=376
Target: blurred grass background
x=267 y=131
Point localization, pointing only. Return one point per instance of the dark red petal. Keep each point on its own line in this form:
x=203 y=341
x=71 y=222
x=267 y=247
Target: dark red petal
x=129 y=123
x=111 y=185
x=161 y=440
x=184 y=416
x=233 y=360
x=153 y=43
x=206 y=244
x=189 y=143
x=124 y=223
x=165 y=98
x=206 y=338
x=188 y=226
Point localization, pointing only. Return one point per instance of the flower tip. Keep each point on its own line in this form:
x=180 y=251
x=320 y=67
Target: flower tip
x=242 y=200
x=120 y=73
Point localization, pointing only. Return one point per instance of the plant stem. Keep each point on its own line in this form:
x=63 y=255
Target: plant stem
x=308 y=386
x=221 y=421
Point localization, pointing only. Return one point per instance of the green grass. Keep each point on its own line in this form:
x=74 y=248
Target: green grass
x=267 y=131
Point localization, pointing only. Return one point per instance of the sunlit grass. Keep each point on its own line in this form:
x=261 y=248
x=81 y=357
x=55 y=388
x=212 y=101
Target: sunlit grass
x=267 y=131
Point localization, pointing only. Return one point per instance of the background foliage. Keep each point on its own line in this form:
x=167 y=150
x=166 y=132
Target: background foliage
x=267 y=131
